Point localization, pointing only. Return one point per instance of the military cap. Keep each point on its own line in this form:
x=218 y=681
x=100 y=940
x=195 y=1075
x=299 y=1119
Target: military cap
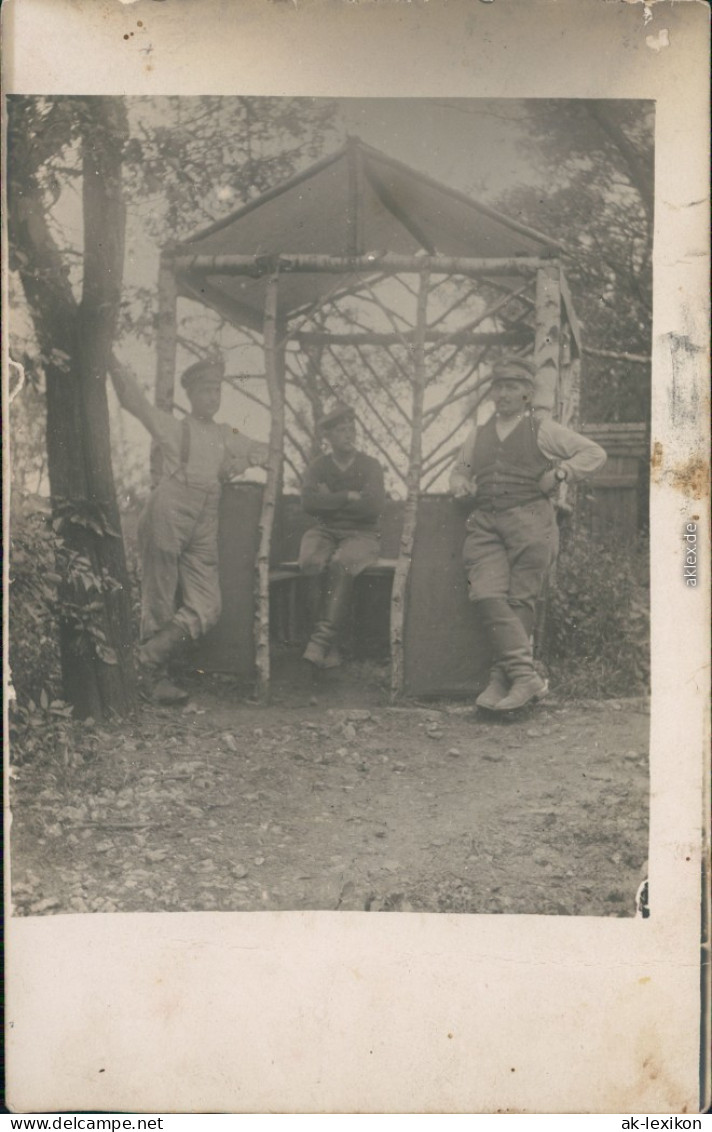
x=210 y=369
x=340 y=412
x=514 y=368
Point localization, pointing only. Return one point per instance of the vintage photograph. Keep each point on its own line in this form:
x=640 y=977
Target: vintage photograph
x=329 y=427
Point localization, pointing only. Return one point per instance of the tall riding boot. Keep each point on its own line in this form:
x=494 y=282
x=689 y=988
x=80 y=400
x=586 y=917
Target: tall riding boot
x=158 y=648
x=497 y=688
x=152 y=657
x=337 y=596
x=527 y=617
x=512 y=651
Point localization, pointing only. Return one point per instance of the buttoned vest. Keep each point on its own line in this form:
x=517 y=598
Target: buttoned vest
x=507 y=471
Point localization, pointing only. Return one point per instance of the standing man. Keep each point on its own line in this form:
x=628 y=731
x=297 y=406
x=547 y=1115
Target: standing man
x=178 y=529
x=509 y=468
x=345 y=493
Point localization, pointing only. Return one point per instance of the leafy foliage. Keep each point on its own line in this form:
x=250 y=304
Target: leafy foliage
x=598 y=160
x=191 y=161
x=34 y=652
x=598 y=623
x=41 y=730
x=51 y=581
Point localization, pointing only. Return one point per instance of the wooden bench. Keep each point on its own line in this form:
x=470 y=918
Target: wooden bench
x=288 y=611
x=287 y=571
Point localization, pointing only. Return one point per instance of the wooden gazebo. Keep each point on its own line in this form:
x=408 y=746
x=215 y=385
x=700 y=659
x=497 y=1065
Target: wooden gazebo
x=446 y=282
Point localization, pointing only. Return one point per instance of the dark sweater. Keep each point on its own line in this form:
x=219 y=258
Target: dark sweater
x=330 y=505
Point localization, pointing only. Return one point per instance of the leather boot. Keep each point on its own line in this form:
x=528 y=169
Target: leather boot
x=527 y=617
x=509 y=642
x=155 y=652
x=157 y=688
x=511 y=648
x=497 y=688
x=524 y=690
x=335 y=606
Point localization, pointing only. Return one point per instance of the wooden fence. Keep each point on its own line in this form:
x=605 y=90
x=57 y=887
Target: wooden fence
x=616 y=502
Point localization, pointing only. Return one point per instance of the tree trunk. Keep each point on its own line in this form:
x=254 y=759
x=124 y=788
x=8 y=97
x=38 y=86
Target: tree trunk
x=104 y=228
x=75 y=339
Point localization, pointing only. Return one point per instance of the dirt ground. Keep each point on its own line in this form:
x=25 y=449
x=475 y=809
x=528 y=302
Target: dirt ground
x=332 y=799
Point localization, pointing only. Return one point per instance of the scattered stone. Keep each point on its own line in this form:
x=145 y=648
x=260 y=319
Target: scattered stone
x=631 y=756
x=493 y=756
x=44 y=905
x=259 y=861
x=349 y=732
x=435 y=734
x=454 y=752
x=534 y=733
x=358 y=716
x=230 y=741
x=72 y=813
x=239 y=871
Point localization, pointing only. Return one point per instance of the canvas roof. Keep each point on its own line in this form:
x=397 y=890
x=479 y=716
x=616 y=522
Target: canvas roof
x=356 y=201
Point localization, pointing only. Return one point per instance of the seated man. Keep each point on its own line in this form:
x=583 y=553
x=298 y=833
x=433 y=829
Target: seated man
x=345 y=492
x=178 y=529
x=509 y=468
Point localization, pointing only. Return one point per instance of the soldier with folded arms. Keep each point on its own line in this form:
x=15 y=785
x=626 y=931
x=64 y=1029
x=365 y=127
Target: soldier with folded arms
x=344 y=491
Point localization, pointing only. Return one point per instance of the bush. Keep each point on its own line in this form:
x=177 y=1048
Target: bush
x=597 y=633
x=32 y=620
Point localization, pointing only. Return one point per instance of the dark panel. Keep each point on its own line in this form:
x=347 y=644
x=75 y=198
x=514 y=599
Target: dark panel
x=229 y=646
x=444 y=652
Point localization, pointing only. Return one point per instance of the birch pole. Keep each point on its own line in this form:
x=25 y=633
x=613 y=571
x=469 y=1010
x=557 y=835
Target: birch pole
x=166 y=343
x=274 y=372
x=405 y=551
x=547 y=340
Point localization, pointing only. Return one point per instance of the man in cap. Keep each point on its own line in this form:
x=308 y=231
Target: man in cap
x=509 y=468
x=344 y=491
x=178 y=529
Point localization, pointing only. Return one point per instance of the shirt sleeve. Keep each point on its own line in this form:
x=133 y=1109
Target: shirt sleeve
x=580 y=456
x=165 y=429
x=316 y=498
